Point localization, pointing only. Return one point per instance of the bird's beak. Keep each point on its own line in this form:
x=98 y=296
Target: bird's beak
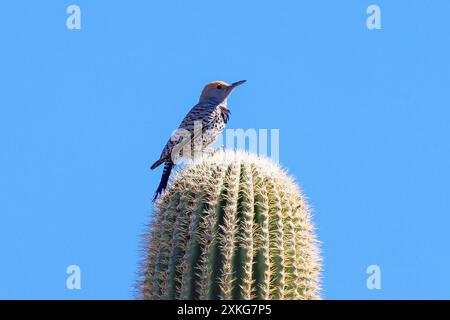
x=237 y=84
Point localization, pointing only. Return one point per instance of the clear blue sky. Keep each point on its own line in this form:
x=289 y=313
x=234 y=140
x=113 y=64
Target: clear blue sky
x=363 y=117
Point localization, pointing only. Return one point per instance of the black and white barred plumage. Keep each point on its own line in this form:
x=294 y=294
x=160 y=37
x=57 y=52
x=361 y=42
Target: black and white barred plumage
x=205 y=121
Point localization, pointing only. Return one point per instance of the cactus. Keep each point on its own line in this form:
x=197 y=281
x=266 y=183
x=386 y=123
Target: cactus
x=231 y=226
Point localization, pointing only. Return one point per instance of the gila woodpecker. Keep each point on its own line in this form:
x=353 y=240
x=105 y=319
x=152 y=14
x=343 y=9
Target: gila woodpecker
x=211 y=114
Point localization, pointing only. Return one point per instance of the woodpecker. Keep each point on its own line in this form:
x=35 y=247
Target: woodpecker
x=211 y=112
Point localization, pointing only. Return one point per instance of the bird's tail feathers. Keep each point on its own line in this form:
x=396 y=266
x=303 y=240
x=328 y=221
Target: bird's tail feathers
x=157 y=163
x=164 y=179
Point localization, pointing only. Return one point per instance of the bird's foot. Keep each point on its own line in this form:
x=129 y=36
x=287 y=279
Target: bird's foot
x=220 y=149
x=212 y=151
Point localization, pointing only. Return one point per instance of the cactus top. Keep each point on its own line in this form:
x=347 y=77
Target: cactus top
x=231 y=226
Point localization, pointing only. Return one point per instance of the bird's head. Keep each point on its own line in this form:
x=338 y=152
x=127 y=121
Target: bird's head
x=218 y=91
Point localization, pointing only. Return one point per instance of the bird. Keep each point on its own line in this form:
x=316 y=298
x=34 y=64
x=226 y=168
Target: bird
x=206 y=120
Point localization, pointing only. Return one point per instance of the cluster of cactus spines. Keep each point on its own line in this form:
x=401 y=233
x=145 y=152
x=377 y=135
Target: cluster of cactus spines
x=231 y=226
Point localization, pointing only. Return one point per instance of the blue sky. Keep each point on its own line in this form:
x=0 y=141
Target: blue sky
x=363 y=118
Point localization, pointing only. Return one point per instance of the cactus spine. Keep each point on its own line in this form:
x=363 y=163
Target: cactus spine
x=231 y=226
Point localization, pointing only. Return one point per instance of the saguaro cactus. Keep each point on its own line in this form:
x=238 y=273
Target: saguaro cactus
x=231 y=226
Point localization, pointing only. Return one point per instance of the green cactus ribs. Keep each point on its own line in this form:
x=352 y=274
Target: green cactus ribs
x=231 y=226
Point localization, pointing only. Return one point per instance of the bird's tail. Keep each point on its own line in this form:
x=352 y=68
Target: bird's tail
x=157 y=163
x=164 y=179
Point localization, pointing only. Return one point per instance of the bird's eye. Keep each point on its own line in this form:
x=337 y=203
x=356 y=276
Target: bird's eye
x=219 y=87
